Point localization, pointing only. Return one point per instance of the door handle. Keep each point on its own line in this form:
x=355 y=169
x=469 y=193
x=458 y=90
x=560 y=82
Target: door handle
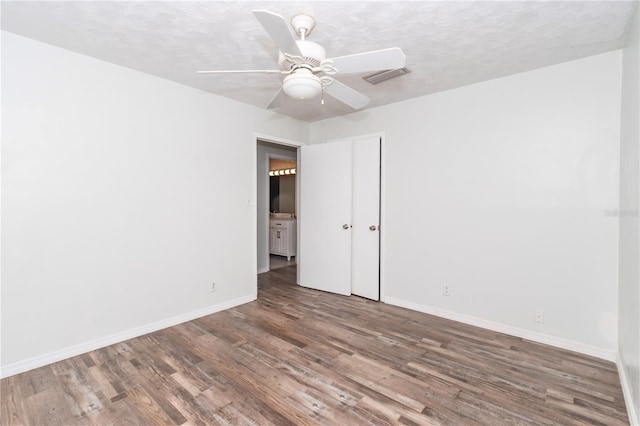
x=373 y=228
x=345 y=226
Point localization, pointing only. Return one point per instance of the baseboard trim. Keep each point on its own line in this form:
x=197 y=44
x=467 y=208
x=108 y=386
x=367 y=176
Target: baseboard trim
x=49 y=358
x=507 y=329
x=626 y=391
x=263 y=270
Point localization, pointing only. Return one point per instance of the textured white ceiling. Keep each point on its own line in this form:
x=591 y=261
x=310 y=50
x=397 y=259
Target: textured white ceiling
x=448 y=43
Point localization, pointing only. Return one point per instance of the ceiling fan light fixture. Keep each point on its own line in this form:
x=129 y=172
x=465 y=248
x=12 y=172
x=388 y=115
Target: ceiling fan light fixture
x=302 y=84
x=300 y=60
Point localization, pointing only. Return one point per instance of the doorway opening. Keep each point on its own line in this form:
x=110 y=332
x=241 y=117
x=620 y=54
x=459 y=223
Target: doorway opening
x=283 y=227
x=277 y=199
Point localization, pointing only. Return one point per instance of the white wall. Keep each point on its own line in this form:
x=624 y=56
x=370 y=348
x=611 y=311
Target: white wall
x=500 y=190
x=629 y=305
x=265 y=151
x=116 y=209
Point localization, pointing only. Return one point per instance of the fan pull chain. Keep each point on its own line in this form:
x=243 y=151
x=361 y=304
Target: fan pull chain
x=324 y=82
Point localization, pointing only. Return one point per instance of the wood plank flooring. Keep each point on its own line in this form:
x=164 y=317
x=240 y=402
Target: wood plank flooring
x=302 y=357
x=277 y=262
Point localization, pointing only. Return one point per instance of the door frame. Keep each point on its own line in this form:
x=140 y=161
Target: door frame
x=383 y=227
x=252 y=201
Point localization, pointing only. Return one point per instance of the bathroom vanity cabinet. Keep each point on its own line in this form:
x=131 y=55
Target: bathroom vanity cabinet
x=282 y=237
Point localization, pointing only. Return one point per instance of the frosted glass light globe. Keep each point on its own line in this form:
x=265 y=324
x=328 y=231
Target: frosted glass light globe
x=302 y=84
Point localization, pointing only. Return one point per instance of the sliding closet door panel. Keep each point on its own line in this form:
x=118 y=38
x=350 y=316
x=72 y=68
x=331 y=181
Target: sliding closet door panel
x=325 y=217
x=365 y=242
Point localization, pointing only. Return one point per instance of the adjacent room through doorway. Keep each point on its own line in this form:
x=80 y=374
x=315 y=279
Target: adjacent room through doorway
x=277 y=214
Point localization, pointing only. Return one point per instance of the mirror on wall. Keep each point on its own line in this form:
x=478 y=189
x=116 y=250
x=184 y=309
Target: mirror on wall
x=282 y=188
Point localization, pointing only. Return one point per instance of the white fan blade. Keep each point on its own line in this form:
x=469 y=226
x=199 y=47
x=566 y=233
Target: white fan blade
x=346 y=94
x=244 y=72
x=278 y=30
x=385 y=59
x=277 y=100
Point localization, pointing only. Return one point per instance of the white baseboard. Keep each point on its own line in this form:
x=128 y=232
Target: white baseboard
x=263 y=270
x=42 y=360
x=547 y=339
x=628 y=395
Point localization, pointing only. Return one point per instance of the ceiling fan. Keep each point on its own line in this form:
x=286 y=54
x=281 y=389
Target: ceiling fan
x=306 y=69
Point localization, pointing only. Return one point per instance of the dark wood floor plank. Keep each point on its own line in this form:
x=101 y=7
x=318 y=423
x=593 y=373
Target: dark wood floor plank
x=149 y=407
x=79 y=390
x=297 y=356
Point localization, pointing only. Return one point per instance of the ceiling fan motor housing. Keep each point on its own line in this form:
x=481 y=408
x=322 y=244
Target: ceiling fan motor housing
x=312 y=54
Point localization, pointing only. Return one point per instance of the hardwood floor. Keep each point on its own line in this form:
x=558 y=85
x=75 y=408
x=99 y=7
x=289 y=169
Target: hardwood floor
x=299 y=356
x=277 y=262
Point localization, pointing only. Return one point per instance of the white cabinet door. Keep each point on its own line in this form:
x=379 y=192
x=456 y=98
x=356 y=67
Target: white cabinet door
x=282 y=237
x=365 y=238
x=325 y=217
x=275 y=242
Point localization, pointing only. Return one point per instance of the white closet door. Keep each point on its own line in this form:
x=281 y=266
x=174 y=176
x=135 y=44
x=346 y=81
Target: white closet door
x=365 y=241
x=325 y=217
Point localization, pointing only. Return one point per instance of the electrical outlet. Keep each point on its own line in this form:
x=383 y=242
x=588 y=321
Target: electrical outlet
x=213 y=286
x=446 y=290
x=538 y=316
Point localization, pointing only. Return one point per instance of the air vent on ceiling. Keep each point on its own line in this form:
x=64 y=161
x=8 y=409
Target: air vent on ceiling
x=381 y=76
